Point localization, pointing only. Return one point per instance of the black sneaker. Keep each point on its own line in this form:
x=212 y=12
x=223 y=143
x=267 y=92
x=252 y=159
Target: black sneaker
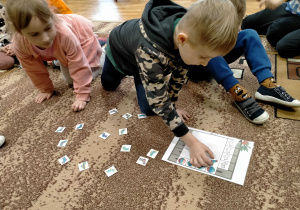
x=252 y=111
x=276 y=95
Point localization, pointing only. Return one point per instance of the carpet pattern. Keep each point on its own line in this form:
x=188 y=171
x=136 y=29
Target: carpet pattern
x=32 y=178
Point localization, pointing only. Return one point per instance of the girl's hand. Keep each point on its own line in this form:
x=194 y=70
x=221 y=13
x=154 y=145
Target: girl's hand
x=78 y=105
x=8 y=50
x=42 y=96
x=183 y=114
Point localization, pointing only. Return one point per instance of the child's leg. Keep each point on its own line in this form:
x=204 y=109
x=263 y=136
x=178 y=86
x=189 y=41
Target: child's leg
x=289 y=45
x=111 y=77
x=249 y=44
x=260 y=66
x=220 y=70
x=280 y=28
x=66 y=74
x=261 y=20
x=141 y=96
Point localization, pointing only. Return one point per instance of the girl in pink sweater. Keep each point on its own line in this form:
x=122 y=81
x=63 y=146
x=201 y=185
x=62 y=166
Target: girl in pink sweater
x=42 y=36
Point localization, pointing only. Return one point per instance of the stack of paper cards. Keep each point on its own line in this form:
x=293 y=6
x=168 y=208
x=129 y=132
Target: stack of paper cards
x=152 y=153
x=62 y=143
x=60 y=129
x=122 y=131
x=111 y=171
x=142 y=161
x=63 y=160
x=113 y=111
x=83 y=166
x=79 y=126
x=104 y=135
x=125 y=148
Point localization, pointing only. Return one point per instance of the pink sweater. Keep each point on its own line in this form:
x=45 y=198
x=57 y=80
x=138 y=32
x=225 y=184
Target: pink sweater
x=75 y=46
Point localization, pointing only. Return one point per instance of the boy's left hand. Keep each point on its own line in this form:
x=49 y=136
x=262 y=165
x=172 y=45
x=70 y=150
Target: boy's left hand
x=78 y=105
x=183 y=114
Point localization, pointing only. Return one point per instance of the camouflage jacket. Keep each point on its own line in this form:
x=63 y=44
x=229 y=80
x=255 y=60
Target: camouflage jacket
x=139 y=49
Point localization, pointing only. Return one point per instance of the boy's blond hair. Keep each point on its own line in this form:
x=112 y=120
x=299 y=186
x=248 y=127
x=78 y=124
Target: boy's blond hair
x=240 y=6
x=20 y=12
x=212 y=23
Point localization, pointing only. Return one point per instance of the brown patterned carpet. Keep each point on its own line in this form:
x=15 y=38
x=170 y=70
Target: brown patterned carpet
x=32 y=178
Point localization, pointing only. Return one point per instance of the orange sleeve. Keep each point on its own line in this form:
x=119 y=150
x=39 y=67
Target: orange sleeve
x=59 y=6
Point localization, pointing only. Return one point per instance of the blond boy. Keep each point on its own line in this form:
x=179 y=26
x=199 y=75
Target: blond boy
x=167 y=40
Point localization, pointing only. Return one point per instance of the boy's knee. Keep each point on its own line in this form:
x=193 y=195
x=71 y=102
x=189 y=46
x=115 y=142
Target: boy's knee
x=108 y=85
x=273 y=35
x=284 y=51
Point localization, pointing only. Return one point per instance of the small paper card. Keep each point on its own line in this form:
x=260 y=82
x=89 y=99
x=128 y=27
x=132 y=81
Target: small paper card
x=113 y=111
x=111 y=171
x=142 y=161
x=104 y=135
x=63 y=160
x=79 y=126
x=125 y=148
x=83 y=166
x=127 y=116
x=141 y=116
x=62 y=143
x=60 y=129
x=122 y=131
x=152 y=153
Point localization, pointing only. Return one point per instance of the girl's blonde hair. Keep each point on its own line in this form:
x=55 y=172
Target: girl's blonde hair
x=212 y=23
x=20 y=12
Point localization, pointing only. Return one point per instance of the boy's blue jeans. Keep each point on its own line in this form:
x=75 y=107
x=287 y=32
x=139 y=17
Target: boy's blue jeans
x=249 y=44
x=111 y=79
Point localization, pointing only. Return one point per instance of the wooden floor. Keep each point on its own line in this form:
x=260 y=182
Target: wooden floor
x=110 y=10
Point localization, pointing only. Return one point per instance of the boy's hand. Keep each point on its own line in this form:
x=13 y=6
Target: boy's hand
x=43 y=96
x=198 y=150
x=183 y=114
x=78 y=105
x=270 y=4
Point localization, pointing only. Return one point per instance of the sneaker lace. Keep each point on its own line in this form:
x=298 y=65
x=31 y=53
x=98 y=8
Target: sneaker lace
x=281 y=91
x=250 y=106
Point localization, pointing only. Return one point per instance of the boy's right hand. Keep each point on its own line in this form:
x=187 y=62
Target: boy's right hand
x=42 y=96
x=198 y=151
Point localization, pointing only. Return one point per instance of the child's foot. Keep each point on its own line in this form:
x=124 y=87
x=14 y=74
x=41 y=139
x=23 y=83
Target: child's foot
x=2 y=140
x=248 y=106
x=271 y=92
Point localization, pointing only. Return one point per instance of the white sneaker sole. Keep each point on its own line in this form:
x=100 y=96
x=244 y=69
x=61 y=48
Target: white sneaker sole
x=294 y=103
x=2 y=140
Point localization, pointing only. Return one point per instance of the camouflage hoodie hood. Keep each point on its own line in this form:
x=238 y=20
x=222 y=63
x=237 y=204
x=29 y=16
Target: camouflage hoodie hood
x=158 y=20
x=158 y=23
